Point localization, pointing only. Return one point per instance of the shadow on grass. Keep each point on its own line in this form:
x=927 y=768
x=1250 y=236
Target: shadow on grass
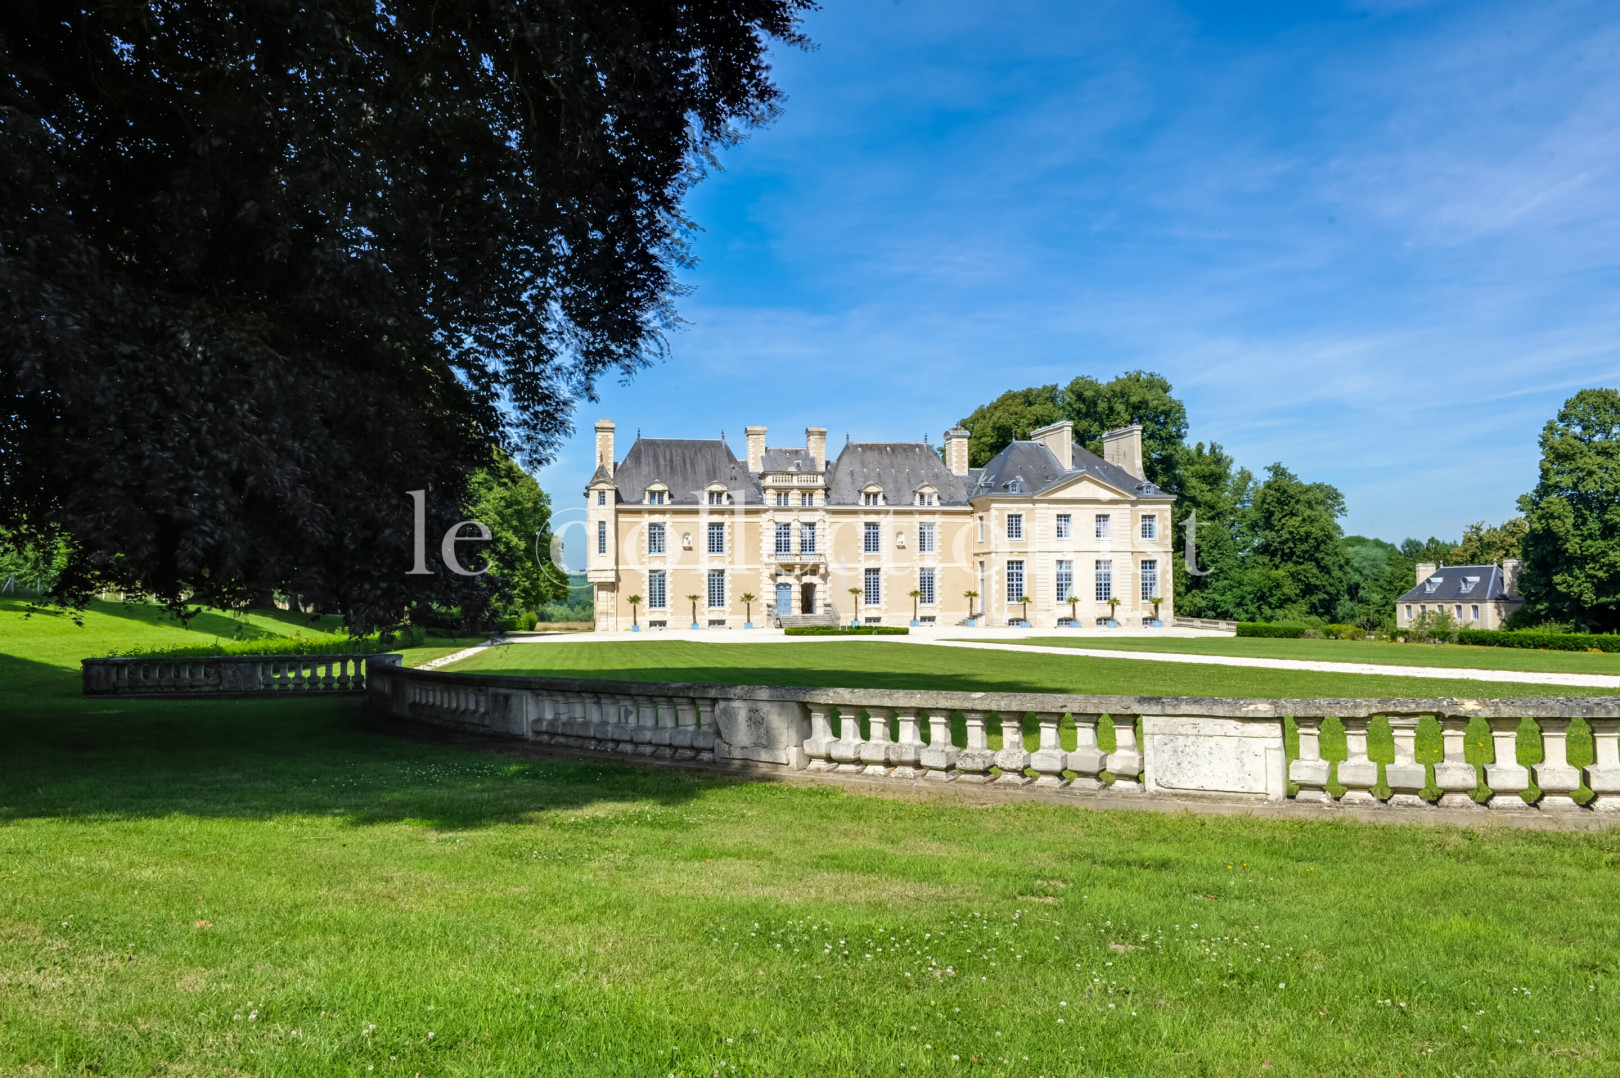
x=218 y=623
x=66 y=756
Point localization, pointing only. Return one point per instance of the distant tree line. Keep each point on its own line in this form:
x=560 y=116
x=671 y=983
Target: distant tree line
x=1273 y=548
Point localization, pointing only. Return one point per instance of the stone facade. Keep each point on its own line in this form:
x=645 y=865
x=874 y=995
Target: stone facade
x=852 y=537
x=1475 y=596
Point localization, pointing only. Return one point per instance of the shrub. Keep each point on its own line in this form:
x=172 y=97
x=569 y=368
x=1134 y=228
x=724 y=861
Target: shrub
x=847 y=630
x=1266 y=628
x=1343 y=632
x=297 y=644
x=1533 y=639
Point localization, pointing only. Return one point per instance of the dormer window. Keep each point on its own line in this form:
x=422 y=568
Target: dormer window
x=1016 y=485
x=872 y=496
x=718 y=496
x=927 y=496
x=1468 y=583
x=1432 y=583
x=657 y=495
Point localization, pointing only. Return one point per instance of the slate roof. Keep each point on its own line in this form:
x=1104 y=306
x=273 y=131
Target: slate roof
x=898 y=467
x=1039 y=469
x=686 y=466
x=788 y=460
x=1488 y=584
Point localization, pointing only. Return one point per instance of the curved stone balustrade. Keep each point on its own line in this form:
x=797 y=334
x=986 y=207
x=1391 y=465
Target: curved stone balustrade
x=230 y=674
x=1190 y=748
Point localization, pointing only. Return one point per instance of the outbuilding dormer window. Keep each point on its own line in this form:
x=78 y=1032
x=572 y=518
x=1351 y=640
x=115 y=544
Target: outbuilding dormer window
x=1468 y=583
x=1432 y=583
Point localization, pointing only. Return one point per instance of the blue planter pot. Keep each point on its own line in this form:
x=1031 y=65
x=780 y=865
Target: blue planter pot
x=914 y=621
x=748 y=625
x=695 y=625
x=971 y=623
x=635 y=628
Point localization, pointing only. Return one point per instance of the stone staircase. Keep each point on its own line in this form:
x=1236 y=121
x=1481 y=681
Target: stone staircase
x=828 y=616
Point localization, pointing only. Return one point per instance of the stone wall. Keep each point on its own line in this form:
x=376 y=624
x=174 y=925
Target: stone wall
x=234 y=675
x=1190 y=748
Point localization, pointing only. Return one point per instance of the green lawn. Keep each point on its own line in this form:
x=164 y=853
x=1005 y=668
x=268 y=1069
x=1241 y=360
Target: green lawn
x=273 y=887
x=1355 y=651
x=877 y=663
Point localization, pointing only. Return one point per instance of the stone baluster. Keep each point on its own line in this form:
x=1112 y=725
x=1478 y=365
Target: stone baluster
x=1506 y=778
x=540 y=709
x=1556 y=778
x=660 y=736
x=1310 y=772
x=1086 y=760
x=580 y=722
x=907 y=751
x=1013 y=757
x=682 y=729
x=1405 y=777
x=973 y=763
x=939 y=758
x=846 y=751
x=1454 y=776
x=1603 y=777
x=1125 y=762
x=1048 y=760
x=819 y=745
x=700 y=713
x=877 y=750
x=1357 y=773
x=328 y=679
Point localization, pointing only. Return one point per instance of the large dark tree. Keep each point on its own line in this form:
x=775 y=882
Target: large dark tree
x=266 y=266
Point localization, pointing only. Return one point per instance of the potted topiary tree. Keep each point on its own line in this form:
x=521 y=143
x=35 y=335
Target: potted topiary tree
x=693 y=599
x=916 y=596
x=972 y=618
x=1074 y=614
x=1113 y=611
x=1156 y=600
x=855 y=600
x=1024 y=601
x=634 y=601
x=748 y=599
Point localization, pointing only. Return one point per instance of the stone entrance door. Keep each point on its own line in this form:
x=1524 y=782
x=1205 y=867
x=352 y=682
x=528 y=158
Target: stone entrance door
x=807 y=598
x=784 y=599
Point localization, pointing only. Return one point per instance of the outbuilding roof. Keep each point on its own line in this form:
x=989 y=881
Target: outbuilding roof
x=1459 y=583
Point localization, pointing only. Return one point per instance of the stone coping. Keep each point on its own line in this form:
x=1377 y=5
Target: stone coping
x=1191 y=706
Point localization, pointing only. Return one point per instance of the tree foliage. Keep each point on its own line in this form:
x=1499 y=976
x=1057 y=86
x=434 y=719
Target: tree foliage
x=1483 y=544
x=1011 y=417
x=1572 y=538
x=267 y=266
x=518 y=514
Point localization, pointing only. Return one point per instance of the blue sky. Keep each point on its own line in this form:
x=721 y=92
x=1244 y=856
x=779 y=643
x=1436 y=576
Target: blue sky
x=1374 y=241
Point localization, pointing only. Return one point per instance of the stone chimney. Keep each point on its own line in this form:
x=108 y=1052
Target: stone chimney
x=1123 y=447
x=1059 y=438
x=1425 y=570
x=815 y=440
x=1510 y=575
x=604 y=445
x=756 y=448
x=956 y=451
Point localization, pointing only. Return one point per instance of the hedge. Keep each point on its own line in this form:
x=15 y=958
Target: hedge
x=1530 y=638
x=847 y=630
x=1266 y=628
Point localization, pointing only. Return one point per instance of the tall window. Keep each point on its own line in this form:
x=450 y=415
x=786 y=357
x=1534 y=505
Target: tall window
x=1015 y=525
x=981 y=530
x=807 y=498
x=1102 y=525
x=657 y=593
x=925 y=584
x=717 y=538
x=1150 y=526
x=874 y=587
x=1065 y=525
x=782 y=499
x=1474 y=612
x=926 y=540
x=601 y=537
x=1408 y=611
x=601 y=497
x=1065 y=580
x=784 y=538
x=807 y=538
x=717 y=497
x=1015 y=581
x=717 y=587
x=1150 y=580
x=874 y=538
x=1105 y=580
x=655 y=538
x=1458 y=614
x=655 y=497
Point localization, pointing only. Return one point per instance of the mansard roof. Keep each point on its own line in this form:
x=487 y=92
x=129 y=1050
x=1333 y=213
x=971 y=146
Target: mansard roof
x=686 y=466
x=1449 y=581
x=788 y=460
x=1033 y=463
x=900 y=468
